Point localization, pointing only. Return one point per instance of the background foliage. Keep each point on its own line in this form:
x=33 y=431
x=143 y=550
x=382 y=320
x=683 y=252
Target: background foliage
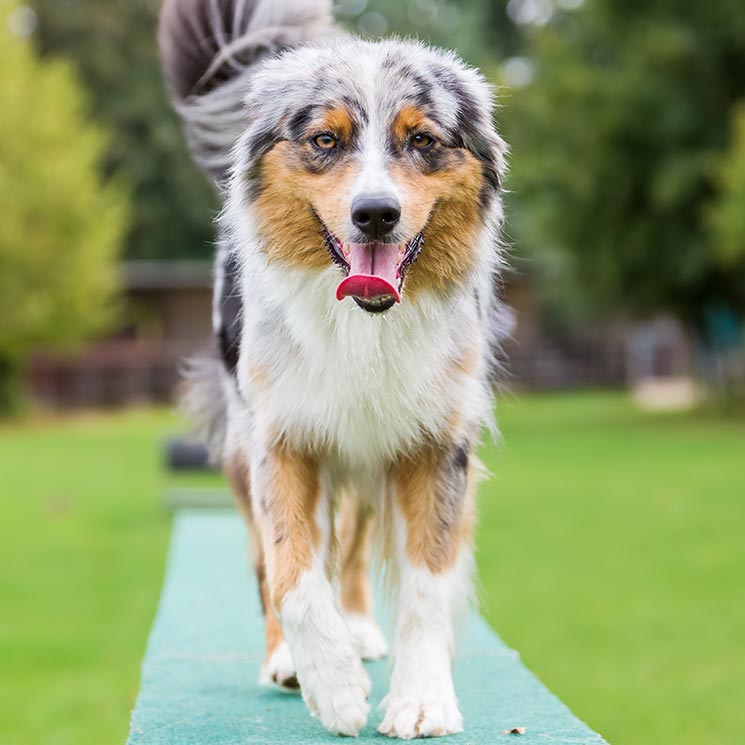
x=618 y=150
x=727 y=214
x=113 y=46
x=61 y=224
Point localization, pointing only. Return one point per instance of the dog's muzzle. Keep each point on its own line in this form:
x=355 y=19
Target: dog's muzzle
x=375 y=271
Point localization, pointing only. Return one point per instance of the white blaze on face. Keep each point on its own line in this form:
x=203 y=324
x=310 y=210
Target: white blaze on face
x=374 y=266
x=373 y=175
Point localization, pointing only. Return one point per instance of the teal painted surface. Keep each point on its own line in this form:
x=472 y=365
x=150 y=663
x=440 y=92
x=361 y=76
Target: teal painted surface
x=202 y=663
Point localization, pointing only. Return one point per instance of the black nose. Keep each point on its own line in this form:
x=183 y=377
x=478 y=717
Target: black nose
x=375 y=216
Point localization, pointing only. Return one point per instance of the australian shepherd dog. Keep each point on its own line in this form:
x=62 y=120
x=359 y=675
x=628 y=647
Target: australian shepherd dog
x=356 y=314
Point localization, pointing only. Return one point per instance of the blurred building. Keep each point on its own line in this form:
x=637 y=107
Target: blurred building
x=166 y=316
x=544 y=353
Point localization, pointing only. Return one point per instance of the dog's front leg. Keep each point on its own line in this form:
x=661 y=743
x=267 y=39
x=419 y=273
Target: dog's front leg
x=355 y=545
x=296 y=523
x=431 y=516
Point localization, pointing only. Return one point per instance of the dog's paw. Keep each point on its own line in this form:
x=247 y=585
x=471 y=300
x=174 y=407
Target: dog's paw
x=279 y=669
x=411 y=716
x=337 y=695
x=366 y=636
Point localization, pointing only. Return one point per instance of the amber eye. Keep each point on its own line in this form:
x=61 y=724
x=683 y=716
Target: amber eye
x=324 y=141
x=422 y=141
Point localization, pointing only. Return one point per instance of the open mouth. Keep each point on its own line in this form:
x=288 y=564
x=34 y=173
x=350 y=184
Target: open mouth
x=375 y=271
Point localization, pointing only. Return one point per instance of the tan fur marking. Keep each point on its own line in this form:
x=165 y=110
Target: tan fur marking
x=467 y=360
x=290 y=531
x=258 y=377
x=355 y=539
x=286 y=222
x=437 y=523
x=338 y=122
x=273 y=630
x=235 y=469
x=236 y=472
x=409 y=119
x=447 y=202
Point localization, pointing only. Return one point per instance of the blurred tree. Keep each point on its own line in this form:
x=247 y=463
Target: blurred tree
x=61 y=223
x=727 y=214
x=112 y=43
x=479 y=30
x=615 y=149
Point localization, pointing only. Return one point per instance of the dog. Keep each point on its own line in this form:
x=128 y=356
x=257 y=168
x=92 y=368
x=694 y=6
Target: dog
x=357 y=314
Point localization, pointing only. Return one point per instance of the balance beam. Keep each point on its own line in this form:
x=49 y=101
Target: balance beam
x=199 y=676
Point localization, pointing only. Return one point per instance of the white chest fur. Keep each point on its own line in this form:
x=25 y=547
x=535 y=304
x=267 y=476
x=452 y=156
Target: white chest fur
x=366 y=386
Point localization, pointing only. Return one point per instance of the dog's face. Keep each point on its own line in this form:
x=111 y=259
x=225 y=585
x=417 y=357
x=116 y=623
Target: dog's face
x=379 y=157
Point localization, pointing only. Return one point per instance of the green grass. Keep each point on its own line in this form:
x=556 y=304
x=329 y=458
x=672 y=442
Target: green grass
x=82 y=546
x=611 y=550
x=612 y=555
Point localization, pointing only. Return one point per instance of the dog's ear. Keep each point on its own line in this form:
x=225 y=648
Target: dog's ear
x=480 y=138
x=269 y=104
x=475 y=128
x=262 y=136
x=267 y=112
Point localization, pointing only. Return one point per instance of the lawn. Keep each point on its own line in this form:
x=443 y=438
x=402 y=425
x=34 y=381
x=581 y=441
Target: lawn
x=611 y=554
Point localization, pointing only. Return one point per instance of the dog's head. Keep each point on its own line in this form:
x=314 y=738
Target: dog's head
x=381 y=157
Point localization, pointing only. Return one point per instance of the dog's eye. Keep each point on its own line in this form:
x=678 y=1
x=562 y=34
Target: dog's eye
x=422 y=141
x=324 y=141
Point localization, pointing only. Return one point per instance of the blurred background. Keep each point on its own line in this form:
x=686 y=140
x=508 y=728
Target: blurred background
x=611 y=548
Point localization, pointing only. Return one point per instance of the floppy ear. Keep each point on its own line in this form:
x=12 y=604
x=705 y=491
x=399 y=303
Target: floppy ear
x=481 y=139
x=260 y=137
x=475 y=130
x=479 y=135
x=266 y=115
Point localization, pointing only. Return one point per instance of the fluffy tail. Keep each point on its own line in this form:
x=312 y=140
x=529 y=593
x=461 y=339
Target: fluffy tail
x=208 y=51
x=204 y=401
x=208 y=48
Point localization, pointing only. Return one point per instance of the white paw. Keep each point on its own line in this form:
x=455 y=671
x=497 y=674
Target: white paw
x=366 y=636
x=337 y=694
x=279 y=669
x=414 y=715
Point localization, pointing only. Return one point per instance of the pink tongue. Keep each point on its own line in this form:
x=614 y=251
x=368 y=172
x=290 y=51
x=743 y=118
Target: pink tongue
x=372 y=272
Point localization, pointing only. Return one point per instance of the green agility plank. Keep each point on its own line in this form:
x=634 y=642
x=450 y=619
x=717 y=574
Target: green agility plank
x=199 y=676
